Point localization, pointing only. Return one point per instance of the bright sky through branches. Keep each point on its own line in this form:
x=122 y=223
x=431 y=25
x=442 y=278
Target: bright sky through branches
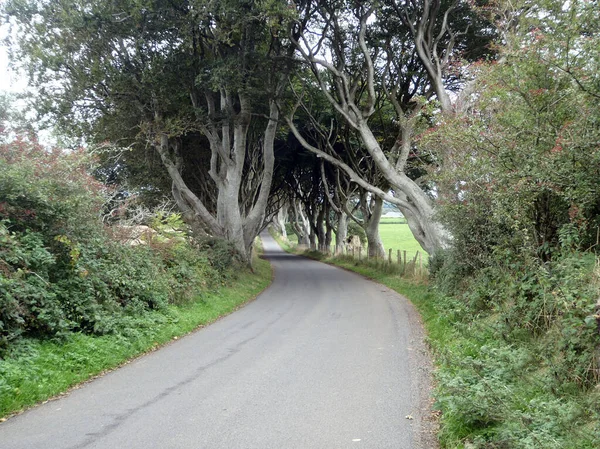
x=9 y=80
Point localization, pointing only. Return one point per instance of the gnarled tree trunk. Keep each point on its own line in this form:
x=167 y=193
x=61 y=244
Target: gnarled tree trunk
x=280 y=219
x=300 y=224
x=228 y=148
x=371 y=227
x=350 y=88
x=342 y=232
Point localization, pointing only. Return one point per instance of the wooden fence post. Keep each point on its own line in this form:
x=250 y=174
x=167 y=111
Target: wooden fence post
x=399 y=258
x=420 y=265
x=415 y=266
x=390 y=256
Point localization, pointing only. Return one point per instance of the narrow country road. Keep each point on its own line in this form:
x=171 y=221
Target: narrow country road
x=322 y=359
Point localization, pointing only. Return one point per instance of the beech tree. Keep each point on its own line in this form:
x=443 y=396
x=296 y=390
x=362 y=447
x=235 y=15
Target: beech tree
x=194 y=81
x=347 y=199
x=390 y=53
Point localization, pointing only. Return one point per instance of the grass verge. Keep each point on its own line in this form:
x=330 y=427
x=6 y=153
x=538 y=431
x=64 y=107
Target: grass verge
x=40 y=370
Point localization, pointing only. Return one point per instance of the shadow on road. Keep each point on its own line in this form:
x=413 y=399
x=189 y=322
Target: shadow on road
x=276 y=255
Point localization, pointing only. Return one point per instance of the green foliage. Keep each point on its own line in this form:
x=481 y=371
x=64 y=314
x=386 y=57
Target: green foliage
x=289 y=229
x=520 y=192
x=521 y=173
x=355 y=229
x=143 y=61
x=39 y=369
x=313 y=254
x=60 y=272
x=220 y=253
x=523 y=365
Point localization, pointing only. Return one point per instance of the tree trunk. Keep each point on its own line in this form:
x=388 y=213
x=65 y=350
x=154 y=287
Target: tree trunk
x=303 y=239
x=312 y=237
x=301 y=224
x=375 y=246
x=280 y=219
x=228 y=213
x=328 y=231
x=342 y=232
x=227 y=171
x=255 y=220
x=320 y=222
x=340 y=87
x=413 y=202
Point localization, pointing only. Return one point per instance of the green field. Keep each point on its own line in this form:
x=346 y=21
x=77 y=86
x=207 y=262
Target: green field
x=396 y=235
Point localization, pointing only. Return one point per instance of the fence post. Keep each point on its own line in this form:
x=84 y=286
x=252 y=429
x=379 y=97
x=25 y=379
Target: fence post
x=420 y=266
x=399 y=258
x=390 y=256
x=415 y=264
x=404 y=260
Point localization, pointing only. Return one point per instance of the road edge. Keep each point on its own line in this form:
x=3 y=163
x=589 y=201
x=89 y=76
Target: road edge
x=422 y=362
x=142 y=354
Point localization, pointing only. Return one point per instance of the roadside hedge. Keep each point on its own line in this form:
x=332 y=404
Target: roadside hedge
x=62 y=272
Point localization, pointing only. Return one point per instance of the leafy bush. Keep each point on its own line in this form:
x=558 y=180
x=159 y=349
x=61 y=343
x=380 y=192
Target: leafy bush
x=61 y=272
x=289 y=229
x=355 y=229
x=221 y=254
x=520 y=194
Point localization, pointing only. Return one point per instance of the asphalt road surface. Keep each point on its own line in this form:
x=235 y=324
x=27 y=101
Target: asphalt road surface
x=322 y=359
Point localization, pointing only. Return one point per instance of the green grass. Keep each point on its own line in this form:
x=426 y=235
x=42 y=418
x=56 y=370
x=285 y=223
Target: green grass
x=42 y=369
x=397 y=236
x=393 y=220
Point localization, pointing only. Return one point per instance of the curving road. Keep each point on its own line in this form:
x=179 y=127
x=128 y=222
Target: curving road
x=322 y=359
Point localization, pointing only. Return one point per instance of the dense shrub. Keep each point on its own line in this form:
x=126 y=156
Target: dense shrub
x=355 y=229
x=220 y=253
x=61 y=272
x=289 y=229
x=519 y=191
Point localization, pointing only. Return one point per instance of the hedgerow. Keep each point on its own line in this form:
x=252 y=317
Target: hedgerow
x=61 y=271
x=520 y=195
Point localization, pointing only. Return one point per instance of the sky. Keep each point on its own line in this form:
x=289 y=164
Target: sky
x=9 y=82
x=5 y=82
